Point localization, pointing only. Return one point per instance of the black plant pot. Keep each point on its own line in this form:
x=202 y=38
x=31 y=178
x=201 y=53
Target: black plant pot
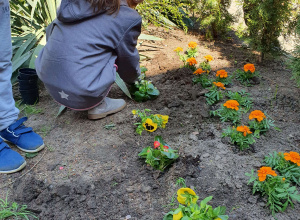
x=30 y=96
x=28 y=84
x=27 y=74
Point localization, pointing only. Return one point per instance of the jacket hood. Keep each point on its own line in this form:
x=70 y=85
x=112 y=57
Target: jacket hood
x=76 y=10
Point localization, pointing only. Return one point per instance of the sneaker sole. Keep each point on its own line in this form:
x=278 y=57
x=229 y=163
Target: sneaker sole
x=27 y=151
x=15 y=170
x=103 y=115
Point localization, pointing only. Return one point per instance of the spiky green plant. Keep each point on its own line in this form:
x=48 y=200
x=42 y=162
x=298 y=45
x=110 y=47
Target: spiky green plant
x=29 y=20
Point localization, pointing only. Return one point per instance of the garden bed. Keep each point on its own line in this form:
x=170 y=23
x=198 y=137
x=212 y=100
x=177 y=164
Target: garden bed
x=91 y=169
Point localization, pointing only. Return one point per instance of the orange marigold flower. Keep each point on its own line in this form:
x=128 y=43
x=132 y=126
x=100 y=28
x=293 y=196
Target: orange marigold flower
x=208 y=58
x=263 y=172
x=249 y=67
x=233 y=104
x=258 y=115
x=293 y=157
x=219 y=84
x=199 y=71
x=244 y=129
x=178 y=49
x=283 y=179
x=192 y=45
x=222 y=74
x=192 y=61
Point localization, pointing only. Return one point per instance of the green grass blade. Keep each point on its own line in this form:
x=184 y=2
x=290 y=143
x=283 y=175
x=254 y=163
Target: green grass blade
x=122 y=85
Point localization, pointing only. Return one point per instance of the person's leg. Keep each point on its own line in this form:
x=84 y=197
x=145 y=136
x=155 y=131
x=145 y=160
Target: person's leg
x=10 y=161
x=11 y=129
x=8 y=111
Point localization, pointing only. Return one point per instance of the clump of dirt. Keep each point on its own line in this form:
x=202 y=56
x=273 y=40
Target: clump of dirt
x=102 y=176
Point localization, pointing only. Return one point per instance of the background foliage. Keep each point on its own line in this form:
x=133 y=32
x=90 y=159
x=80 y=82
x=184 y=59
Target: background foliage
x=266 y=21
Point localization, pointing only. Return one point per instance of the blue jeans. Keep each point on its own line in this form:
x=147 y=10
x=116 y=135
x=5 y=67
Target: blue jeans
x=8 y=111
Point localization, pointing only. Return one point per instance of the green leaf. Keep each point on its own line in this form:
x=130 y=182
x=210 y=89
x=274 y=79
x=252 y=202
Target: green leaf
x=61 y=109
x=122 y=85
x=31 y=155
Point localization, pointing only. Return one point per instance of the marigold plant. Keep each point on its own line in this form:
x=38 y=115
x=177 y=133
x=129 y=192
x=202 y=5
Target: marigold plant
x=188 y=57
x=159 y=157
x=189 y=209
x=205 y=64
x=178 y=49
x=219 y=84
x=214 y=94
x=208 y=58
x=286 y=164
x=241 y=136
x=263 y=172
x=232 y=104
x=260 y=122
x=201 y=77
x=293 y=157
x=150 y=122
x=229 y=111
x=242 y=98
x=247 y=75
x=244 y=129
x=249 y=67
x=192 y=44
x=278 y=191
x=222 y=76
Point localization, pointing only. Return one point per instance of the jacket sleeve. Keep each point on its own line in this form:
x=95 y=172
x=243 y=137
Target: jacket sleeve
x=127 y=54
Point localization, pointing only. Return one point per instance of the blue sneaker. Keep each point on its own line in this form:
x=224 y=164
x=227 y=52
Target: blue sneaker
x=10 y=161
x=23 y=137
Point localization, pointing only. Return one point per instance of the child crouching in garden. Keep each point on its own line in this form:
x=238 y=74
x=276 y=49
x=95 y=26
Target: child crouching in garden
x=87 y=43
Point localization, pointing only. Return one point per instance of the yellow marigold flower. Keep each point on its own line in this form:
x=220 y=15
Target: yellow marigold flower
x=181 y=199
x=219 y=84
x=249 y=67
x=178 y=49
x=222 y=74
x=293 y=157
x=177 y=216
x=208 y=58
x=192 y=45
x=244 y=129
x=149 y=125
x=283 y=179
x=133 y=112
x=233 y=104
x=192 y=61
x=199 y=71
x=263 y=172
x=258 y=115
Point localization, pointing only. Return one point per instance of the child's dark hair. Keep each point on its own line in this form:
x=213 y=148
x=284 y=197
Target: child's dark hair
x=111 y=6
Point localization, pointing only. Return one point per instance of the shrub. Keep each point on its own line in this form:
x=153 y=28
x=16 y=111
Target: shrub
x=266 y=20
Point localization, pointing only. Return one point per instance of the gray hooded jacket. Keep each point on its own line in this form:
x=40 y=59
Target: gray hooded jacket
x=77 y=62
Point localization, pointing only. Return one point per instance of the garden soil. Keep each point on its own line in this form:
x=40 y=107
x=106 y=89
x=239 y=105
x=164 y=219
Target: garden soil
x=91 y=169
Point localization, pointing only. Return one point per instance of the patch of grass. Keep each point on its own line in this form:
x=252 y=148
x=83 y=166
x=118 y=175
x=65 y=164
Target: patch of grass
x=13 y=209
x=45 y=130
x=50 y=148
x=28 y=110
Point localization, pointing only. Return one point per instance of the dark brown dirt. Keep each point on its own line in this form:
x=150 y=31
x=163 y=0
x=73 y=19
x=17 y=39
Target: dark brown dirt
x=103 y=178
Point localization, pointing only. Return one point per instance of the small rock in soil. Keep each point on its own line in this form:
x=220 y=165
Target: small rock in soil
x=205 y=155
x=145 y=189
